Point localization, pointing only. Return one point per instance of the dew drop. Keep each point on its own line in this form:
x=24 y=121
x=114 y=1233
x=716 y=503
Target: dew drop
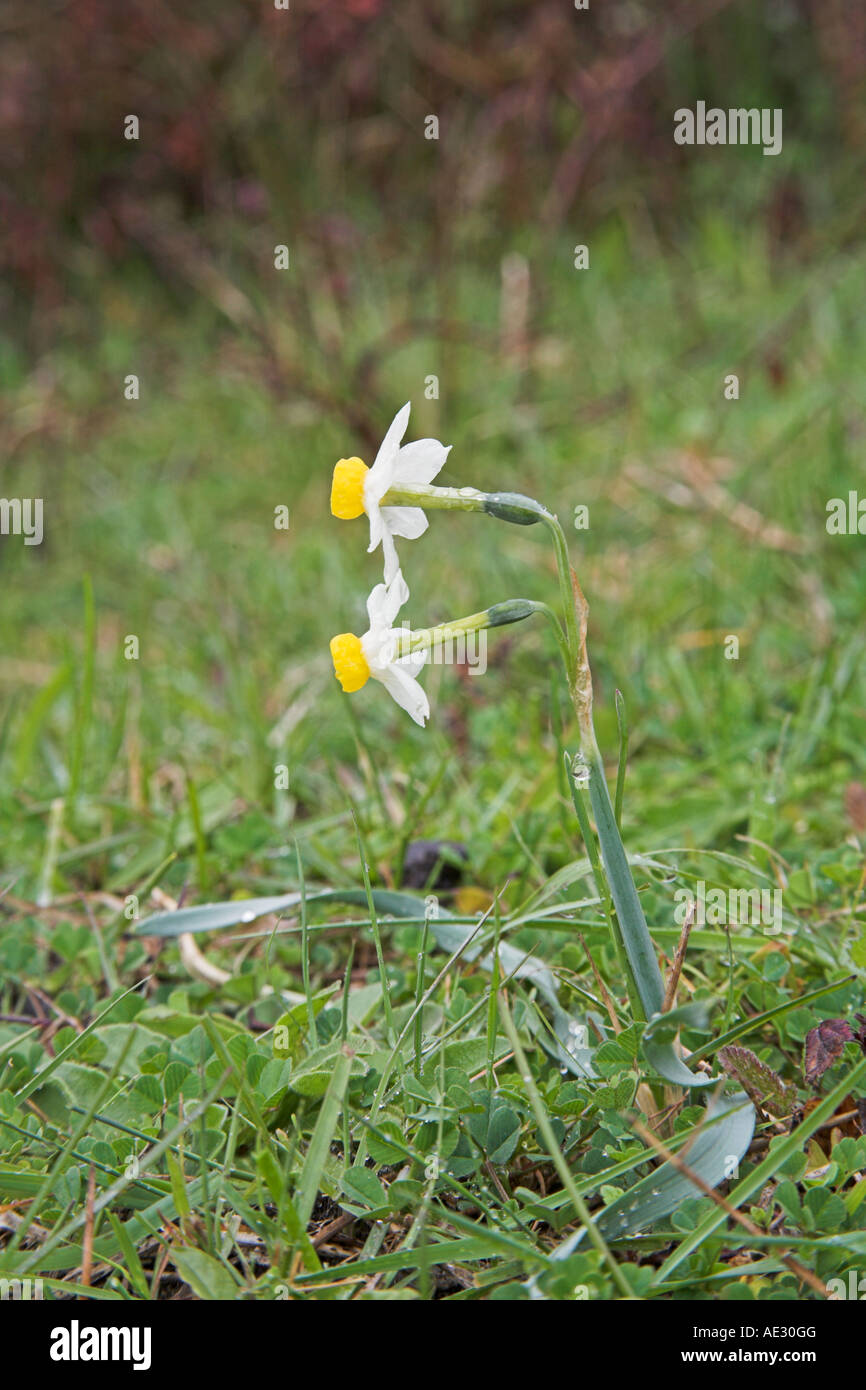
x=580 y=770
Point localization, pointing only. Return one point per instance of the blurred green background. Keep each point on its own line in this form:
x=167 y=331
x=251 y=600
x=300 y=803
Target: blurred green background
x=411 y=258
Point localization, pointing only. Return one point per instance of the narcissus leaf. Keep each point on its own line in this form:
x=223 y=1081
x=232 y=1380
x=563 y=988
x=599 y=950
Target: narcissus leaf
x=659 y=1038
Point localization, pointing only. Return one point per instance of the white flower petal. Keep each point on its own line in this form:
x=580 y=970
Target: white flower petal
x=414 y=662
x=385 y=602
x=380 y=650
x=418 y=463
x=377 y=524
x=389 y=555
x=397 y=595
x=377 y=484
x=376 y=603
x=381 y=475
x=381 y=531
x=395 y=431
x=409 y=522
x=413 y=465
x=380 y=645
x=403 y=687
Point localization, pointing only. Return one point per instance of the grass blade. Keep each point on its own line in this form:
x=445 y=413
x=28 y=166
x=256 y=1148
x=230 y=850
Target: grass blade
x=323 y=1134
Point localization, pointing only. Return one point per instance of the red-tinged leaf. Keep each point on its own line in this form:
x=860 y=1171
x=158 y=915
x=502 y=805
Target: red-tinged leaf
x=855 y=805
x=764 y=1087
x=824 y=1046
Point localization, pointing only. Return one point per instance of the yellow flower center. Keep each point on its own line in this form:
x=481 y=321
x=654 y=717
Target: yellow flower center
x=350 y=663
x=347 y=488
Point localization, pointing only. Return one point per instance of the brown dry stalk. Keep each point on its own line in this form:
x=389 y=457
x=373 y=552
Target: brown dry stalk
x=87 y=1242
x=679 y=958
x=582 y=695
x=195 y=961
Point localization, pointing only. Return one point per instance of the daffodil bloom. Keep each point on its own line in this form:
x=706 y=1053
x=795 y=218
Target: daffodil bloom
x=396 y=490
x=394 y=493
x=394 y=656
x=378 y=653
x=357 y=488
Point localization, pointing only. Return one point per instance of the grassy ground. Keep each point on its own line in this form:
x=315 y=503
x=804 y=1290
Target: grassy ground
x=221 y=1134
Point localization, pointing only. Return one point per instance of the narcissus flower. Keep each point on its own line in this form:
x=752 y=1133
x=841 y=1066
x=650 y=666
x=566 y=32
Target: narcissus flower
x=357 y=488
x=394 y=656
x=378 y=652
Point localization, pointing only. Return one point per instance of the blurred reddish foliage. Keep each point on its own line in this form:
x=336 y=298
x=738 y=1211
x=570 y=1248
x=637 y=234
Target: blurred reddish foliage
x=241 y=103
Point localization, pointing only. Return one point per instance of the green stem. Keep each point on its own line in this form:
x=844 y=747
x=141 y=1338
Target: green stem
x=579 y=797
x=622 y=764
x=504 y=506
x=646 y=989
x=563 y=565
x=628 y=925
x=449 y=499
x=500 y=614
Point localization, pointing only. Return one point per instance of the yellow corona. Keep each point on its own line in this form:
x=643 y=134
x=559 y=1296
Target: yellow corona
x=350 y=663
x=347 y=489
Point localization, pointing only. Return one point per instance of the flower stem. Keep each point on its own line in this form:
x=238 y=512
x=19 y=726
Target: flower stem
x=567 y=593
x=449 y=499
x=498 y=615
x=505 y=506
x=631 y=937
x=581 y=800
